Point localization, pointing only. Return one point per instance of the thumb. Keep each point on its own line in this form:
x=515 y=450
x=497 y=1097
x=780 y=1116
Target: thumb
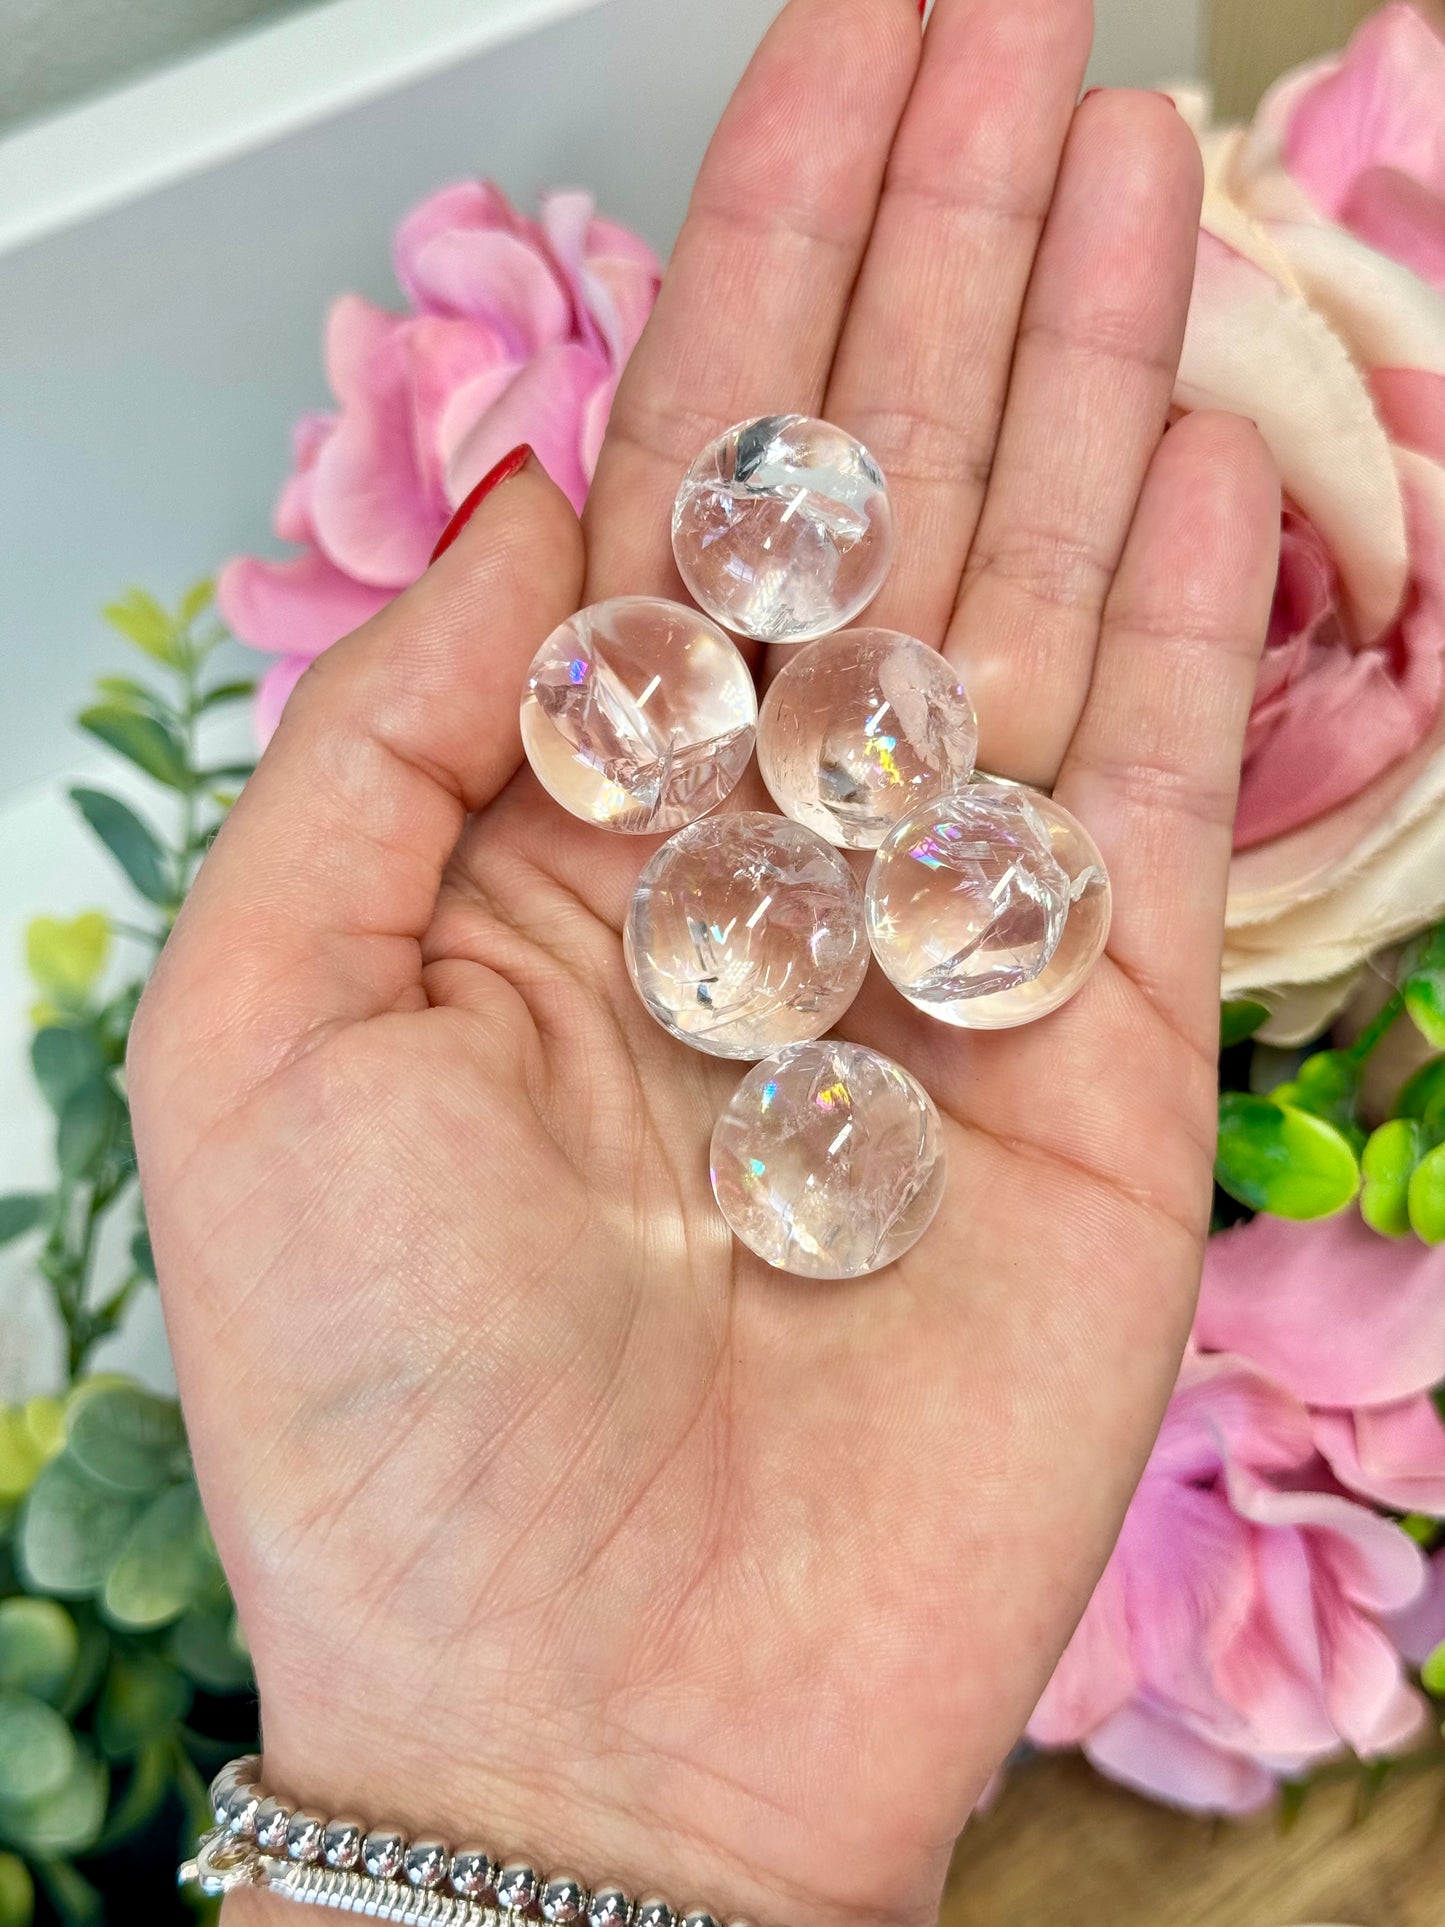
x=311 y=907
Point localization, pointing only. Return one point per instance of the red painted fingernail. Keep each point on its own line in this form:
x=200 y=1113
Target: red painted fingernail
x=509 y=466
x=922 y=8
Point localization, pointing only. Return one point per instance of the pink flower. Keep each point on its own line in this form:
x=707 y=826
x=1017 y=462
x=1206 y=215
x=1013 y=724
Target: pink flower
x=1319 y=310
x=1253 y=1617
x=519 y=331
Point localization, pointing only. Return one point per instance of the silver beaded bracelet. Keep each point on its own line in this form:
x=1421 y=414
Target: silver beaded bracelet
x=259 y=1841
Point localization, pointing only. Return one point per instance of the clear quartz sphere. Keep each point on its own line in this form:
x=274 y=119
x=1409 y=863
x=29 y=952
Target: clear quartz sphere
x=746 y=934
x=860 y=727
x=989 y=906
x=829 y=1160
x=783 y=528
x=638 y=715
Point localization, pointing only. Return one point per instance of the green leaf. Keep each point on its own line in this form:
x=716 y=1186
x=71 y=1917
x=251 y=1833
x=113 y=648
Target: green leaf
x=66 y=956
x=1424 y=986
x=1423 y=1097
x=145 y=740
x=36 y=1748
x=1283 y=1161
x=68 y=1820
x=21 y=1457
x=1326 y=1085
x=1386 y=1164
x=130 y=694
x=1432 y=1673
x=205 y=1644
x=17 y=1892
x=142 y=1698
x=197 y=599
x=1420 y=1527
x=142 y=620
x=126 y=1438
x=1427 y=1197
x=75 y=1901
x=90 y=1123
x=141 y=1254
x=21 y=1211
x=1238 y=1020
x=71 y=1531
x=161 y=1566
x=150 y=1781
x=132 y=843
x=226 y=773
x=39 y=1646
x=90 y=1666
x=63 y=1058
x=227 y=692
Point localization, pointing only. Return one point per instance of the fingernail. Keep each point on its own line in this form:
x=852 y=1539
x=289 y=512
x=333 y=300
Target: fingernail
x=1089 y=93
x=1163 y=96
x=922 y=8
x=509 y=466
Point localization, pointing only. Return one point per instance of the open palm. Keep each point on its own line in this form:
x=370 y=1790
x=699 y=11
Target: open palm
x=553 y=1516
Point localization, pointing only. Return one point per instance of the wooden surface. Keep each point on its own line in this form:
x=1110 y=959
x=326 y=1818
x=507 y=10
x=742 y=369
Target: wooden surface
x=1063 y=1848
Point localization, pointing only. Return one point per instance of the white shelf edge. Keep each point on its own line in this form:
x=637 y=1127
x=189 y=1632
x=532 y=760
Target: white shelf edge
x=236 y=97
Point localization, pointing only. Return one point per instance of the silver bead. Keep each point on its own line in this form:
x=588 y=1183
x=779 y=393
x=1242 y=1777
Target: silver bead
x=426 y=1863
x=272 y=1820
x=609 y=1906
x=303 y=1836
x=341 y=1842
x=383 y=1852
x=563 y=1899
x=698 y=1917
x=653 y=1912
x=472 y=1872
x=239 y=1817
x=516 y=1887
x=223 y=1786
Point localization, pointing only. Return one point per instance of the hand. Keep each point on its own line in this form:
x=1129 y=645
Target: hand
x=553 y=1517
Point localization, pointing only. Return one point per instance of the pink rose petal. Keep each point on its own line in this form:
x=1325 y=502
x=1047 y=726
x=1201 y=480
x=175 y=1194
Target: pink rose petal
x=1145 y=1748
x=1380 y=107
x=295 y=608
x=543 y=406
x=374 y=515
x=1399 y=217
x=1337 y=1315
x=1394 y=1454
x=1421 y=1628
x=274 y=693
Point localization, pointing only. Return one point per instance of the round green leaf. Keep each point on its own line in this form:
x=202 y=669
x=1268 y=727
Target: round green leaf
x=1423 y=1095
x=21 y=1211
x=1282 y=1161
x=66 y=1821
x=162 y=1565
x=1239 y=1019
x=126 y=1438
x=1424 y=986
x=142 y=1698
x=65 y=957
x=206 y=1644
x=17 y=1892
x=39 y=1646
x=71 y=1530
x=45 y=1422
x=20 y=1455
x=90 y=1666
x=1432 y=1673
x=37 y=1751
x=1427 y=1198
x=1386 y=1163
x=63 y=1057
x=91 y=1120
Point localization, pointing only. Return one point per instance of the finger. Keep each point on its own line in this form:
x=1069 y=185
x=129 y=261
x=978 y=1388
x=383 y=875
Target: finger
x=922 y=369
x=750 y=308
x=311 y=907
x=1153 y=768
x=1088 y=399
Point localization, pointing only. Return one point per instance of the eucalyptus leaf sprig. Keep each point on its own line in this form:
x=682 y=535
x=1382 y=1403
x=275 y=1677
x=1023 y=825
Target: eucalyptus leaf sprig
x=123 y=1681
x=82 y=1022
